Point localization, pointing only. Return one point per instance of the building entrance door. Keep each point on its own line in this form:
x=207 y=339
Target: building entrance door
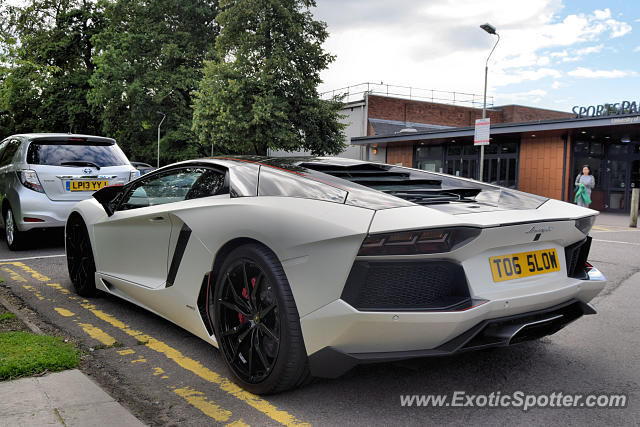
x=616 y=179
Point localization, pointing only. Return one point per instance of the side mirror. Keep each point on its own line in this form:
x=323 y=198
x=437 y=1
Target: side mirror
x=105 y=196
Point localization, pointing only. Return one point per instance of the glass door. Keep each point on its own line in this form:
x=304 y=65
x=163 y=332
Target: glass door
x=617 y=177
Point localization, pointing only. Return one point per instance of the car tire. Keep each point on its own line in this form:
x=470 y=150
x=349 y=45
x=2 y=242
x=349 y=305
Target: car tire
x=257 y=323
x=80 y=261
x=14 y=237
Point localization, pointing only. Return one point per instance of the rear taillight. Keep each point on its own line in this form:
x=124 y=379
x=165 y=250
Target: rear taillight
x=29 y=178
x=418 y=241
x=133 y=175
x=585 y=224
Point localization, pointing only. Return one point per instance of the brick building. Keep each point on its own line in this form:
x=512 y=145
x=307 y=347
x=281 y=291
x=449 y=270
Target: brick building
x=535 y=150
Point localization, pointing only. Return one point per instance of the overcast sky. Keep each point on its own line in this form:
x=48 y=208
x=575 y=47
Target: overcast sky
x=552 y=53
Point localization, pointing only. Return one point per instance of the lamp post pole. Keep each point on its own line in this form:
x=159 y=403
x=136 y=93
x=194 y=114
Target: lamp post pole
x=491 y=30
x=160 y=124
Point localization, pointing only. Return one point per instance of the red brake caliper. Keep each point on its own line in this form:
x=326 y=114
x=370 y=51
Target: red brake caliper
x=245 y=295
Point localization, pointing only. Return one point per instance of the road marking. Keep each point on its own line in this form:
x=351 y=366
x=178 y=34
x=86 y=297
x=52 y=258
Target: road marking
x=238 y=423
x=613 y=229
x=98 y=334
x=13 y=275
x=196 y=367
x=31 y=257
x=616 y=241
x=200 y=401
x=34 y=290
x=64 y=312
x=176 y=356
x=58 y=287
x=29 y=270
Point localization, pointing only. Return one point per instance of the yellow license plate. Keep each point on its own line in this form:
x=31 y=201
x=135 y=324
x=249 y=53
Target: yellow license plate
x=86 y=185
x=523 y=264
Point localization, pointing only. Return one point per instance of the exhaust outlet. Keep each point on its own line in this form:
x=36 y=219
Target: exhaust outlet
x=538 y=329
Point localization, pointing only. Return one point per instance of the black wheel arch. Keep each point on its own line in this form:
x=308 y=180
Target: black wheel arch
x=208 y=282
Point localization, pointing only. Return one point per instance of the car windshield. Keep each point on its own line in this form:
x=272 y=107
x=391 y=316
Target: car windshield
x=56 y=153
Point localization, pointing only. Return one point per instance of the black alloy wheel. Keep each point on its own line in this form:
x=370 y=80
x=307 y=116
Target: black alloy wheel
x=257 y=323
x=80 y=262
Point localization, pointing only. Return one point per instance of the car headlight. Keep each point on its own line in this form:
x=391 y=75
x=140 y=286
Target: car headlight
x=134 y=175
x=585 y=224
x=418 y=242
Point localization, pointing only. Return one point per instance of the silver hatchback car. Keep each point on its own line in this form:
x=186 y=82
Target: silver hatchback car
x=42 y=175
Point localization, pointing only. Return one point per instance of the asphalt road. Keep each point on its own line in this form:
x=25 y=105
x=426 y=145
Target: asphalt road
x=166 y=376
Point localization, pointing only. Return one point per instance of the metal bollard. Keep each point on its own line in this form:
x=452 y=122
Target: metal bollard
x=633 y=214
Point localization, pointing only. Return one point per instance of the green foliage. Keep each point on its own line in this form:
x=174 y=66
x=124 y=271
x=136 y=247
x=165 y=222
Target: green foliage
x=259 y=88
x=7 y=316
x=108 y=66
x=47 y=60
x=150 y=59
x=23 y=353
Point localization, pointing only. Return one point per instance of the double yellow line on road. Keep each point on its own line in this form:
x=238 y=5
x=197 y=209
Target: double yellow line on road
x=172 y=354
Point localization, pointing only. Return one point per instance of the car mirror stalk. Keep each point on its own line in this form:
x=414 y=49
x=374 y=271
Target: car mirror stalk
x=105 y=196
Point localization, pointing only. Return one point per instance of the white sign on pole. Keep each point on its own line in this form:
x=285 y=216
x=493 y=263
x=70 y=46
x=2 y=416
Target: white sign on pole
x=481 y=136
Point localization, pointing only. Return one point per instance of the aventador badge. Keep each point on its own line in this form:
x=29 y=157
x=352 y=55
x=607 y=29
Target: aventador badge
x=539 y=230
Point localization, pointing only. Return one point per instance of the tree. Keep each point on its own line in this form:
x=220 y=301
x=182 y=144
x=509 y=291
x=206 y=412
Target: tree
x=260 y=89
x=46 y=64
x=150 y=59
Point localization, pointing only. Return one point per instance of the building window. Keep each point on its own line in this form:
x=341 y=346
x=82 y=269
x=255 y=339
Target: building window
x=429 y=158
x=615 y=167
x=500 y=162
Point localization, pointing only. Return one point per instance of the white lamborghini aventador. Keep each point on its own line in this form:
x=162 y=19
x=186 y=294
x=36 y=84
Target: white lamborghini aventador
x=305 y=267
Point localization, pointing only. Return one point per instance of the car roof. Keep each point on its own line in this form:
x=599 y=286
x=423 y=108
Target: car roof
x=64 y=137
x=284 y=162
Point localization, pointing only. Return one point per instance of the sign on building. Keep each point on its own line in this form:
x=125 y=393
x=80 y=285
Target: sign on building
x=481 y=136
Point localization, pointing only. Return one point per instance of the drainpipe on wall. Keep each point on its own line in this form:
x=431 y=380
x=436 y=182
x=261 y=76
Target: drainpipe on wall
x=565 y=139
x=364 y=149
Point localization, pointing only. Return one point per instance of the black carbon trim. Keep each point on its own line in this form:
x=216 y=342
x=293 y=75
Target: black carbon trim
x=576 y=257
x=422 y=285
x=183 y=239
x=329 y=362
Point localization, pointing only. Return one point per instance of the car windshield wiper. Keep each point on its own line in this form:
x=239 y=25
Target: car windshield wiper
x=79 y=163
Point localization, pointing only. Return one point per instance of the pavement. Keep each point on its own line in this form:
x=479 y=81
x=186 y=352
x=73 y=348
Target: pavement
x=584 y=357
x=612 y=219
x=66 y=398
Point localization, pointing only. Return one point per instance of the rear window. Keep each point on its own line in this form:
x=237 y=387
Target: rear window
x=60 y=153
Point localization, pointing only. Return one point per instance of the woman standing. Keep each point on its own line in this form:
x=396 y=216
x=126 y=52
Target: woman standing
x=585 y=183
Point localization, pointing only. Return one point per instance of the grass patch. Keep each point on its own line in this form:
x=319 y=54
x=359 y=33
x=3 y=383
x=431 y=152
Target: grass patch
x=23 y=353
x=7 y=316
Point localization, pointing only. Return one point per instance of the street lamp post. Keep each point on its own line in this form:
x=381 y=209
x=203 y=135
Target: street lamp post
x=160 y=124
x=491 y=30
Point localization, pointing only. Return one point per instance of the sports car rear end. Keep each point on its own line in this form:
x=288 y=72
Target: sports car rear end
x=454 y=271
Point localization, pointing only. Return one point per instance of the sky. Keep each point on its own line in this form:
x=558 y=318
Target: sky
x=552 y=53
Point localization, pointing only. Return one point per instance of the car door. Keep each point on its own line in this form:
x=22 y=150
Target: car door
x=133 y=243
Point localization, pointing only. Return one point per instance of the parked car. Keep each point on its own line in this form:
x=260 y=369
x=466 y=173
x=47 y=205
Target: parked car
x=298 y=267
x=42 y=175
x=144 y=168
